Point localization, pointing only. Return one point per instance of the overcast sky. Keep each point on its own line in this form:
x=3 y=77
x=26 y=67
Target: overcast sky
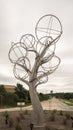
x=18 y=17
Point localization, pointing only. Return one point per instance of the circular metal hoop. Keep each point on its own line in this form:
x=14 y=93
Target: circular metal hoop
x=16 y=51
x=42 y=79
x=28 y=40
x=48 y=25
x=52 y=65
x=42 y=44
x=21 y=67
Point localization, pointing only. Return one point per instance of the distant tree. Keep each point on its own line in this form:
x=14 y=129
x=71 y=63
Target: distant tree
x=21 y=92
x=10 y=99
x=2 y=89
x=43 y=96
x=63 y=95
x=67 y=96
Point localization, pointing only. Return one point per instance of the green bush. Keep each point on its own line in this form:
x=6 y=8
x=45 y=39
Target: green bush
x=6 y=114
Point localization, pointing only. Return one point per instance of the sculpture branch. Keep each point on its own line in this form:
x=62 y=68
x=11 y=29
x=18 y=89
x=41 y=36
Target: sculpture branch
x=23 y=80
x=24 y=67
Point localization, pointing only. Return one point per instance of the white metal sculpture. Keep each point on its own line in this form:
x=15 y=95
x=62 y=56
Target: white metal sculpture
x=34 y=58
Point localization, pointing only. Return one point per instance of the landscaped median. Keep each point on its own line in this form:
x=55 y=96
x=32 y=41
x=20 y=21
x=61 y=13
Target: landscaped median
x=68 y=102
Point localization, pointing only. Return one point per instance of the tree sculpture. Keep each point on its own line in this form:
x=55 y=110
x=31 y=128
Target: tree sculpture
x=34 y=59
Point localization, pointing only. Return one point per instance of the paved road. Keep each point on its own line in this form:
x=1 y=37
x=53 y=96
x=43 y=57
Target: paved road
x=47 y=105
x=16 y=109
x=56 y=104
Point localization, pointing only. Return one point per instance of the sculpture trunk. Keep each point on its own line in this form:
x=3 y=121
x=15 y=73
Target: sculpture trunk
x=37 y=108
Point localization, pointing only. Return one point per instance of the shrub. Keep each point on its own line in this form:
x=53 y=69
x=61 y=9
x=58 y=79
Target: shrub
x=65 y=121
x=54 y=111
x=52 y=117
x=61 y=112
x=22 y=116
x=47 y=127
x=18 y=127
x=44 y=111
x=67 y=115
x=11 y=122
x=6 y=114
x=26 y=112
x=18 y=119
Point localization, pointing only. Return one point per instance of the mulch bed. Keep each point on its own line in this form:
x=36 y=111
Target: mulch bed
x=55 y=120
